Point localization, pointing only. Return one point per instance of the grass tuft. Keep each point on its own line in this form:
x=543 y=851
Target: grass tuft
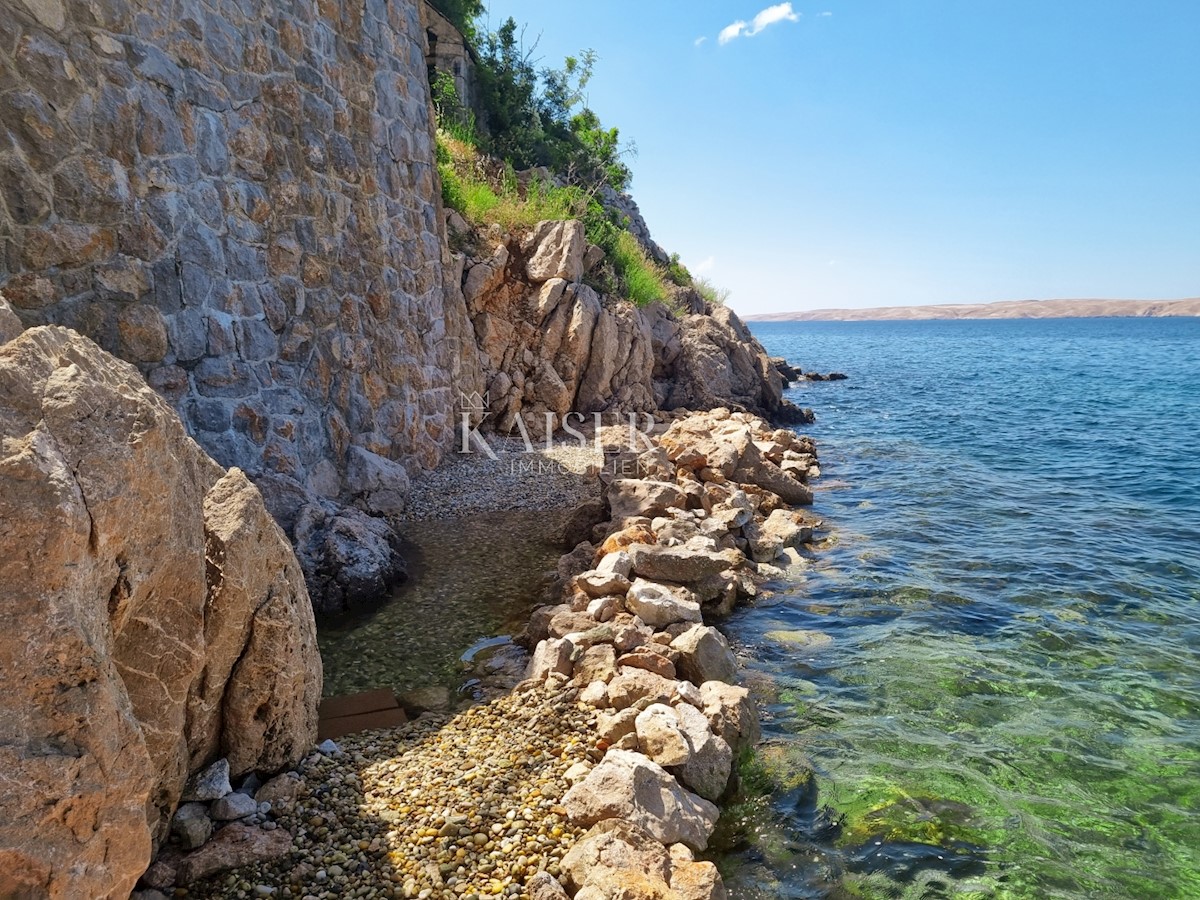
x=713 y=294
x=644 y=281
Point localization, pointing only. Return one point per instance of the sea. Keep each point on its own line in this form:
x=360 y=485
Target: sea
x=984 y=681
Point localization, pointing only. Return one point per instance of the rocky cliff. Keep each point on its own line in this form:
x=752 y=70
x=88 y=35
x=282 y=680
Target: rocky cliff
x=155 y=619
x=550 y=344
x=243 y=203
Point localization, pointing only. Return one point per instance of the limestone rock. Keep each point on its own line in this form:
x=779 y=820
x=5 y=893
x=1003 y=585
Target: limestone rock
x=234 y=806
x=349 y=559
x=105 y=607
x=679 y=564
x=599 y=583
x=720 y=363
x=281 y=789
x=633 y=685
x=710 y=758
x=629 y=786
x=731 y=712
x=555 y=251
x=646 y=658
x=379 y=485
x=192 y=825
x=544 y=886
x=660 y=604
x=234 y=846
x=485 y=277
x=704 y=655
x=610 y=884
x=552 y=655
x=612 y=727
x=618 y=563
x=210 y=783
x=260 y=640
x=616 y=845
x=660 y=737
x=697 y=881
x=781 y=529
x=597 y=663
x=629 y=497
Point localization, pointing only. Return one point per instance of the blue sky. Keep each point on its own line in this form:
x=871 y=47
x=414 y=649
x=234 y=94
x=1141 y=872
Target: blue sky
x=884 y=152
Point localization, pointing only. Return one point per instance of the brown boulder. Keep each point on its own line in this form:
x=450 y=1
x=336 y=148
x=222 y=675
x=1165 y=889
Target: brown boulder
x=109 y=509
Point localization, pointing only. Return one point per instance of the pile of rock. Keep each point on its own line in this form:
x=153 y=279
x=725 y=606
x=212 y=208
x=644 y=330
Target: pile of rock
x=695 y=523
x=217 y=828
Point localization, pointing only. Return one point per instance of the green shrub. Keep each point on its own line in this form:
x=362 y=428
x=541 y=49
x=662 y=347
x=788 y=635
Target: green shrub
x=678 y=272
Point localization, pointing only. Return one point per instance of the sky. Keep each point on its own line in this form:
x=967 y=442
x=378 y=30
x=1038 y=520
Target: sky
x=857 y=153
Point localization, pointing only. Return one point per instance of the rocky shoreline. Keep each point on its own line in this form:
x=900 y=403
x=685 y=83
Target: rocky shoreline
x=600 y=775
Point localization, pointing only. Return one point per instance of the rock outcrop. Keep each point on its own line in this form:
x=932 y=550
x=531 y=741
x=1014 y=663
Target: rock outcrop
x=551 y=345
x=155 y=618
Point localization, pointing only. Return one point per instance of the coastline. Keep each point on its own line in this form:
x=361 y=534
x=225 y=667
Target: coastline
x=623 y=737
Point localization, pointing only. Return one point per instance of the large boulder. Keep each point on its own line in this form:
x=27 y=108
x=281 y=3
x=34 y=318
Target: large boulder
x=615 y=845
x=122 y=547
x=555 y=250
x=681 y=564
x=627 y=785
x=704 y=655
x=661 y=604
x=718 y=362
x=632 y=497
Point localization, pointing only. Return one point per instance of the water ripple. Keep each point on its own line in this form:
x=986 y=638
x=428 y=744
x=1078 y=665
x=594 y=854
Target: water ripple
x=1013 y=607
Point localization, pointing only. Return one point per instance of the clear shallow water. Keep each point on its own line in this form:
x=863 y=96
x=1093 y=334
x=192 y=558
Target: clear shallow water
x=470 y=580
x=1009 y=705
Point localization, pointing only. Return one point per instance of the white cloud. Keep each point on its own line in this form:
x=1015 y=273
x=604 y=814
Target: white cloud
x=704 y=266
x=729 y=32
x=780 y=12
x=824 y=14
x=698 y=41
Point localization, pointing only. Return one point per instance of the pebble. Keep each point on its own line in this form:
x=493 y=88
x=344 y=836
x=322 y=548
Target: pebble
x=438 y=809
x=472 y=483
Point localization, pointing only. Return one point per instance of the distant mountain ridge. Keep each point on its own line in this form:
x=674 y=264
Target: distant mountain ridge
x=1005 y=309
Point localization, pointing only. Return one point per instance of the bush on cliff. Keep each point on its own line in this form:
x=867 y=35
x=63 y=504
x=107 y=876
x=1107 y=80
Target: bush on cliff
x=541 y=118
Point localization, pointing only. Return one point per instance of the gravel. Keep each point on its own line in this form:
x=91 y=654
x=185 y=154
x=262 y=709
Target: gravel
x=517 y=478
x=460 y=807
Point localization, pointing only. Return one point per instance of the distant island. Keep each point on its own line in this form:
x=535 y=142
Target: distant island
x=1006 y=309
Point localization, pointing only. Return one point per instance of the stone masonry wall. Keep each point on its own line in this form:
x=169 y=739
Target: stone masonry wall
x=241 y=200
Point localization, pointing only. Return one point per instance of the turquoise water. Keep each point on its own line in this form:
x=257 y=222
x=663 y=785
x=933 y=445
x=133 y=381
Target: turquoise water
x=1008 y=704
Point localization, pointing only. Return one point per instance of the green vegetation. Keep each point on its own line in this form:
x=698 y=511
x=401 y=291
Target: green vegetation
x=486 y=193
x=644 y=281
x=527 y=119
x=534 y=118
x=467 y=188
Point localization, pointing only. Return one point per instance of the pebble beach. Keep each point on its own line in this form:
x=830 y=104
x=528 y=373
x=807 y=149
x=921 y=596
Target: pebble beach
x=444 y=807
x=601 y=770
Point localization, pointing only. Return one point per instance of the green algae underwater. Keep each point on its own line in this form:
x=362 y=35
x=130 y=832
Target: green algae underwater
x=986 y=683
